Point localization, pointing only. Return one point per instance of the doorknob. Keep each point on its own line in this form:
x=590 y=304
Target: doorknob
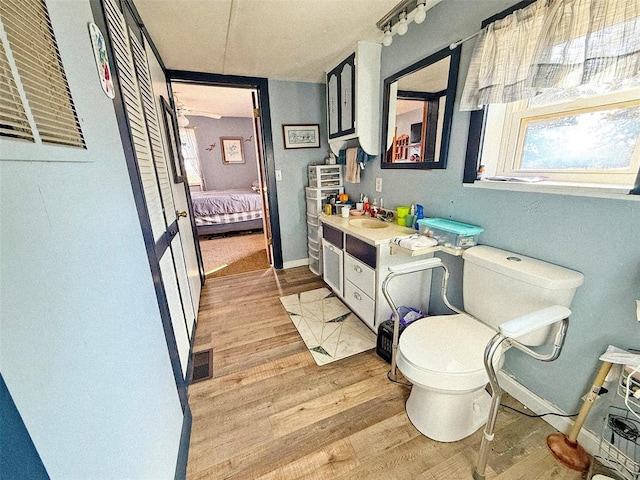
x=181 y=214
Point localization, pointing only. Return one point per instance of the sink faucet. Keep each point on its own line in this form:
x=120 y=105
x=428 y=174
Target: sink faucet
x=385 y=215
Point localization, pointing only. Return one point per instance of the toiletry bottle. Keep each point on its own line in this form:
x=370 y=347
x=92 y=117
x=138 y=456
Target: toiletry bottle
x=374 y=207
x=367 y=206
x=419 y=215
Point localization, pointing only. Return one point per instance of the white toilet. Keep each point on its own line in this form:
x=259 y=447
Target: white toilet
x=443 y=356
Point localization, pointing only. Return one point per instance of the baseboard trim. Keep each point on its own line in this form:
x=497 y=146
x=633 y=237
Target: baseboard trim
x=587 y=439
x=296 y=263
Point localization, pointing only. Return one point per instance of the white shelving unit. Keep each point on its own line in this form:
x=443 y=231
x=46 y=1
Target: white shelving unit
x=325 y=176
x=324 y=180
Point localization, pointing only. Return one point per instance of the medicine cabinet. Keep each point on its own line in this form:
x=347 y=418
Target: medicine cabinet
x=353 y=105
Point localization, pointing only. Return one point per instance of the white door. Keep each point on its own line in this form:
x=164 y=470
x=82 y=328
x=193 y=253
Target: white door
x=179 y=188
x=146 y=136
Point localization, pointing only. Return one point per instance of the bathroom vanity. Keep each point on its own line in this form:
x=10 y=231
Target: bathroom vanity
x=356 y=255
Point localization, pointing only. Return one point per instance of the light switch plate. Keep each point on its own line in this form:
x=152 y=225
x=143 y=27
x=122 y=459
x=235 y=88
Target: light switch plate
x=378 y=184
x=278 y=175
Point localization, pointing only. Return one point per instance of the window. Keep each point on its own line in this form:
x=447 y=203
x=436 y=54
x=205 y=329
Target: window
x=560 y=97
x=35 y=101
x=191 y=159
x=594 y=140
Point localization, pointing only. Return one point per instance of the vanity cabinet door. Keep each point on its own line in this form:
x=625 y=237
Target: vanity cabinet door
x=332 y=267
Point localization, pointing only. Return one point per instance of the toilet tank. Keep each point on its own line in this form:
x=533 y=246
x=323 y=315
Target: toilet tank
x=498 y=286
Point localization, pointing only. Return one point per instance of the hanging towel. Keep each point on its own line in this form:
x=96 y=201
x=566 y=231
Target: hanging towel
x=352 y=174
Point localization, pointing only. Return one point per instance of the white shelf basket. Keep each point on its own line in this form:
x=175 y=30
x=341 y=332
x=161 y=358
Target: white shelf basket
x=620 y=442
x=629 y=387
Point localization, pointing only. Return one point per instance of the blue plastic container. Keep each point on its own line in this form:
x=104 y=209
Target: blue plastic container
x=450 y=232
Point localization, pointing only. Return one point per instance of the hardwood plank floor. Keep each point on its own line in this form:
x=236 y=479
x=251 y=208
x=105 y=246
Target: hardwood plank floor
x=270 y=412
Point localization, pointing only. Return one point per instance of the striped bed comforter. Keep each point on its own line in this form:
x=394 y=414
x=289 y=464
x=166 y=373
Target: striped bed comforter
x=226 y=206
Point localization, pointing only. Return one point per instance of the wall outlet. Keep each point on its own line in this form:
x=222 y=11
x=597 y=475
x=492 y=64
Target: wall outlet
x=278 y=175
x=378 y=184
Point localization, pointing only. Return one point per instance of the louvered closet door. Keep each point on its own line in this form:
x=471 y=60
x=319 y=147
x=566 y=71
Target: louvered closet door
x=133 y=75
x=165 y=180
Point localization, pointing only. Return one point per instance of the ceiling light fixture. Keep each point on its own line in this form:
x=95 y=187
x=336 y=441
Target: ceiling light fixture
x=398 y=19
x=387 y=39
x=403 y=27
x=421 y=12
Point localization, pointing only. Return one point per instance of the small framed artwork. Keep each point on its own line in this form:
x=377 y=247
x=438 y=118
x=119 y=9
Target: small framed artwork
x=232 y=150
x=301 y=136
x=175 y=152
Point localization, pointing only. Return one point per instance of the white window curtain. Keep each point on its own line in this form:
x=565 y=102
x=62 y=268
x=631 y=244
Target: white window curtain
x=191 y=158
x=555 y=44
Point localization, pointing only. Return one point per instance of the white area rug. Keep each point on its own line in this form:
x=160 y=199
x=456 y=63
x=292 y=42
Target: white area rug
x=329 y=329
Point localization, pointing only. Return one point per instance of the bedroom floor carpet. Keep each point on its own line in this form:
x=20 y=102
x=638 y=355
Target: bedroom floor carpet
x=234 y=254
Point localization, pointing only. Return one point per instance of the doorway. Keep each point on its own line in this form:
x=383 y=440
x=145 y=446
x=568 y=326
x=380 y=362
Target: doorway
x=223 y=153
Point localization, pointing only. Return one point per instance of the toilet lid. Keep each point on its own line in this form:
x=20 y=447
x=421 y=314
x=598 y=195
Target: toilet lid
x=446 y=344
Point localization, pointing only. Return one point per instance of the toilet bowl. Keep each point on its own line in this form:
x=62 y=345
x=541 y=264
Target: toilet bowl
x=443 y=356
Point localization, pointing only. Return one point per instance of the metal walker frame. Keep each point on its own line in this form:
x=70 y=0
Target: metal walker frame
x=504 y=338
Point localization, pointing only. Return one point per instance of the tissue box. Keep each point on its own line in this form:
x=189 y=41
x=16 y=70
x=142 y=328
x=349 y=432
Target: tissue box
x=449 y=232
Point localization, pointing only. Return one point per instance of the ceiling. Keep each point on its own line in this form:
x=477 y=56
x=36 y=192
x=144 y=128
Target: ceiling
x=200 y=100
x=295 y=40
x=292 y=40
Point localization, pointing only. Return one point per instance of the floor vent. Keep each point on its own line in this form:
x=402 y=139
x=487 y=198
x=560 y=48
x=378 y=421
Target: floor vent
x=202 y=366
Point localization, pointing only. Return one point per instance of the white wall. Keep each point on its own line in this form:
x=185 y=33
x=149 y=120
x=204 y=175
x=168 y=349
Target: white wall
x=82 y=351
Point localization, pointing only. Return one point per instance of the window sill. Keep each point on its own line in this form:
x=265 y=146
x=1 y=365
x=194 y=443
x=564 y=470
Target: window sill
x=557 y=188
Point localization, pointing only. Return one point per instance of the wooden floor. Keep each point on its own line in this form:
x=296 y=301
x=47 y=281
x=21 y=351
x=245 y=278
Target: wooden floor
x=270 y=412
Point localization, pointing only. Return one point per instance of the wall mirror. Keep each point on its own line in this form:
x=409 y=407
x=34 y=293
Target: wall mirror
x=417 y=112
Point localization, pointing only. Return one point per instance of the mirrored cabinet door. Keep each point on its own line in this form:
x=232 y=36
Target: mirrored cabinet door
x=340 y=98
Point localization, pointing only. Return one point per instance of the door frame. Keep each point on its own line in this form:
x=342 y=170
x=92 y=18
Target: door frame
x=261 y=85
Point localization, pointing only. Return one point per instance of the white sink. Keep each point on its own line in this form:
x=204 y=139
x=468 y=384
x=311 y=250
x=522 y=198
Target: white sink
x=368 y=223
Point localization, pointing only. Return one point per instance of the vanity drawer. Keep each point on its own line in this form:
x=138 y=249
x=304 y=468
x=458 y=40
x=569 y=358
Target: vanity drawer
x=332 y=235
x=361 y=250
x=361 y=304
x=360 y=274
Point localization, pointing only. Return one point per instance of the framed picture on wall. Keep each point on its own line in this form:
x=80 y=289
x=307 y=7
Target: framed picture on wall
x=301 y=136
x=232 y=150
x=171 y=129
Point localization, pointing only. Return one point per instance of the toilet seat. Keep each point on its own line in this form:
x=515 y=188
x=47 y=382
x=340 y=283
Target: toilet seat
x=446 y=352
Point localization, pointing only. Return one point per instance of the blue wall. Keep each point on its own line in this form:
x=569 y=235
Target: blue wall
x=295 y=103
x=596 y=236
x=83 y=351
x=19 y=458
x=218 y=175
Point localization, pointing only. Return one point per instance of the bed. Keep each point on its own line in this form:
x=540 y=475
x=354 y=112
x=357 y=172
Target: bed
x=224 y=211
